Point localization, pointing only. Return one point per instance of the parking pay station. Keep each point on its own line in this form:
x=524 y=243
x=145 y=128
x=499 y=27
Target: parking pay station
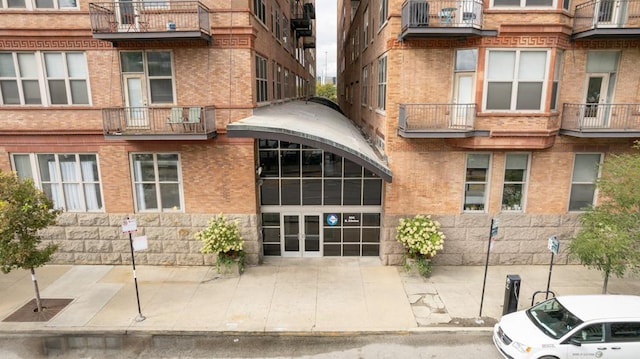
x=511 y=294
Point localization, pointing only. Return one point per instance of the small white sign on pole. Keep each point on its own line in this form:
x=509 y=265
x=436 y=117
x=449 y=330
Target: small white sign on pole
x=129 y=225
x=140 y=243
x=553 y=244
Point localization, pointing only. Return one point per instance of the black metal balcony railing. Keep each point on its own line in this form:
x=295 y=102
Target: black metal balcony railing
x=442 y=13
x=436 y=118
x=601 y=118
x=158 y=122
x=609 y=16
x=301 y=15
x=161 y=18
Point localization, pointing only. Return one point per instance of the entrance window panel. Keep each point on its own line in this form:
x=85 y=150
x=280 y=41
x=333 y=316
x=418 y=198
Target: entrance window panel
x=352 y=169
x=271 y=234
x=371 y=219
x=372 y=192
x=270 y=192
x=351 y=250
x=271 y=219
x=332 y=250
x=332 y=192
x=312 y=192
x=371 y=235
x=351 y=235
x=332 y=165
x=351 y=220
x=312 y=163
x=352 y=192
x=290 y=163
x=269 y=163
x=332 y=235
x=290 y=192
x=370 y=250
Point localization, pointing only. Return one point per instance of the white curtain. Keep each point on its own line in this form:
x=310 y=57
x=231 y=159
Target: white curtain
x=72 y=191
x=91 y=190
x=55 y=187
x=137 y=175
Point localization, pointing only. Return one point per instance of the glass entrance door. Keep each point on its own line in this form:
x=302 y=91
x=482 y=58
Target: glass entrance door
x=461 y=115
x=136 y=101
x=301 y=235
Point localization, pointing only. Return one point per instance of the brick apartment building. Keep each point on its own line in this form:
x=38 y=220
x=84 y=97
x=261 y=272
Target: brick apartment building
x=119 y=109
x=491 y=109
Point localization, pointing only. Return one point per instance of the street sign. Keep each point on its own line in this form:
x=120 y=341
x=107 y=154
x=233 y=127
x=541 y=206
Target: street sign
x=494 y=227
x=553 y=244
x=129 y=225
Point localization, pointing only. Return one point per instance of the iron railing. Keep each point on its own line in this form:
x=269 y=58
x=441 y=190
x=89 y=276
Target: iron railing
x=601 y=117
x=442 y=13
x=606 y=14
x=159 y=120
x=436 y=117
x=149 y=16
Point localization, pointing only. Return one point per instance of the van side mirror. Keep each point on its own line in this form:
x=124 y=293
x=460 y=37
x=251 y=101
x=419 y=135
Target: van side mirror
x=574 y=341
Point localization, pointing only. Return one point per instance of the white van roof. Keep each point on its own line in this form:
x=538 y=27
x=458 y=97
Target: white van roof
x=605 y=306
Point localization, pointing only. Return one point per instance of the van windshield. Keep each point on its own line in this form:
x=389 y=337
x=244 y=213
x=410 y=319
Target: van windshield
x=552 y=318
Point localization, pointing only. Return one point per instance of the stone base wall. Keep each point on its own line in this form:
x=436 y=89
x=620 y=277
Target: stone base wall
x=85 y=238
x=521 y=239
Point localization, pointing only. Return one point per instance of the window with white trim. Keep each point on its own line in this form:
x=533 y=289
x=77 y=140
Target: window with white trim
x=71 y=180
x=516 y=80
x=555 y=93
x=383 y=12
x=515 y=181
x=382 y=83
x=157 y=67
x=522 y=3
x=157 y=182
x=365 y=29
x=39 y=4
x=43 y=78
x=583 y=181
x=260 y=10
x=261 y=79
x=364 y=87
x=286 y=83
x=476 y=181
x=279 y=82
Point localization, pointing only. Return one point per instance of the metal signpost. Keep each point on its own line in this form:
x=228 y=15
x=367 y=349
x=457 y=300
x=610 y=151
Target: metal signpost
x=554 y=245
x=492 y=235
x=130 y=226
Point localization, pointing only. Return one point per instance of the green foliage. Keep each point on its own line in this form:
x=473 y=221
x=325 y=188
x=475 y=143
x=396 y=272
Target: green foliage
x=326 y=90
x=222 y=237
x=422 y=264
x=420 y=236
x=608 y=240
x=24 y=210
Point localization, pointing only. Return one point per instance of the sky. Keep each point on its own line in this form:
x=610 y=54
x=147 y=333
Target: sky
x=326 y=43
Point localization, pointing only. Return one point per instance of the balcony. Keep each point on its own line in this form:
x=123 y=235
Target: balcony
x=600 y=120
x=309 y=43
x=159 y=123
x=301 y=15
x=436 y=120
x=150 y=20
x=607 y=19
x=442 y=18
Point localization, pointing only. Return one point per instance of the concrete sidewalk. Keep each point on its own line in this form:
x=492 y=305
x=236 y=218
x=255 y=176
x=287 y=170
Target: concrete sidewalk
x=283 y=295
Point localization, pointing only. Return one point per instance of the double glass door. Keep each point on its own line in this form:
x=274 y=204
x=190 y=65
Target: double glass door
x=302 y=237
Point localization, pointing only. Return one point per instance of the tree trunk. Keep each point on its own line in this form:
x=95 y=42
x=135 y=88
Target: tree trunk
x=35 y=286
x=606 y=282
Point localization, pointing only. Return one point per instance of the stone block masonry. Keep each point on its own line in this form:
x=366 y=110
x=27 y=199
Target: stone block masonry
x=85 y=238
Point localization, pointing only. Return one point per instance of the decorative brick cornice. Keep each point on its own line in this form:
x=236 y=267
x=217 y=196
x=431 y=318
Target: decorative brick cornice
x=607 y=44
x=44 y=43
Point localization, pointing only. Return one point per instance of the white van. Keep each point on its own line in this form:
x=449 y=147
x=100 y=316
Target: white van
x=576 y=326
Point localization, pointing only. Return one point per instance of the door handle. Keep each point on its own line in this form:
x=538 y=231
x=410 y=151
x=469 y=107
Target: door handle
x=602 y=348
x=616 y=348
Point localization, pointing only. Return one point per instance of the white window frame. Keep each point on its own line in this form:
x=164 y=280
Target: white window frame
x=148 y=77
x=58 y=183
x=364 y=87
x=157 y=182
x=279 y=82
x=523 y=4
x=365 y=29
x=555 y=84
x=485 y=183
x=262 y=83
x=40 y=76
x=515 y=81
x=32 y=5
x=260 y=11
x=579 y=183
x=382 y=84
x=523 y=182
x=383 y=12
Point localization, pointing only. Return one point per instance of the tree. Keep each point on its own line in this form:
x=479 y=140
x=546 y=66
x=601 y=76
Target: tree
x=24 y=210
x=326 y=90
x=609 y=238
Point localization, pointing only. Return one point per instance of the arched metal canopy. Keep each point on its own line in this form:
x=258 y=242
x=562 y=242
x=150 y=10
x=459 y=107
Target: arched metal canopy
x=314 y=125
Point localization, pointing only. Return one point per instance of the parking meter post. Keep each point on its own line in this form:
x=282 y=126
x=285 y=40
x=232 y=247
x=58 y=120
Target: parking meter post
x=549 y=280
x=493 y=231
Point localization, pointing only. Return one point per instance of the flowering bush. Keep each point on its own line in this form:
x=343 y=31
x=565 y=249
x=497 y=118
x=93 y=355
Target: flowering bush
x=420 y=236
x=222 y=237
